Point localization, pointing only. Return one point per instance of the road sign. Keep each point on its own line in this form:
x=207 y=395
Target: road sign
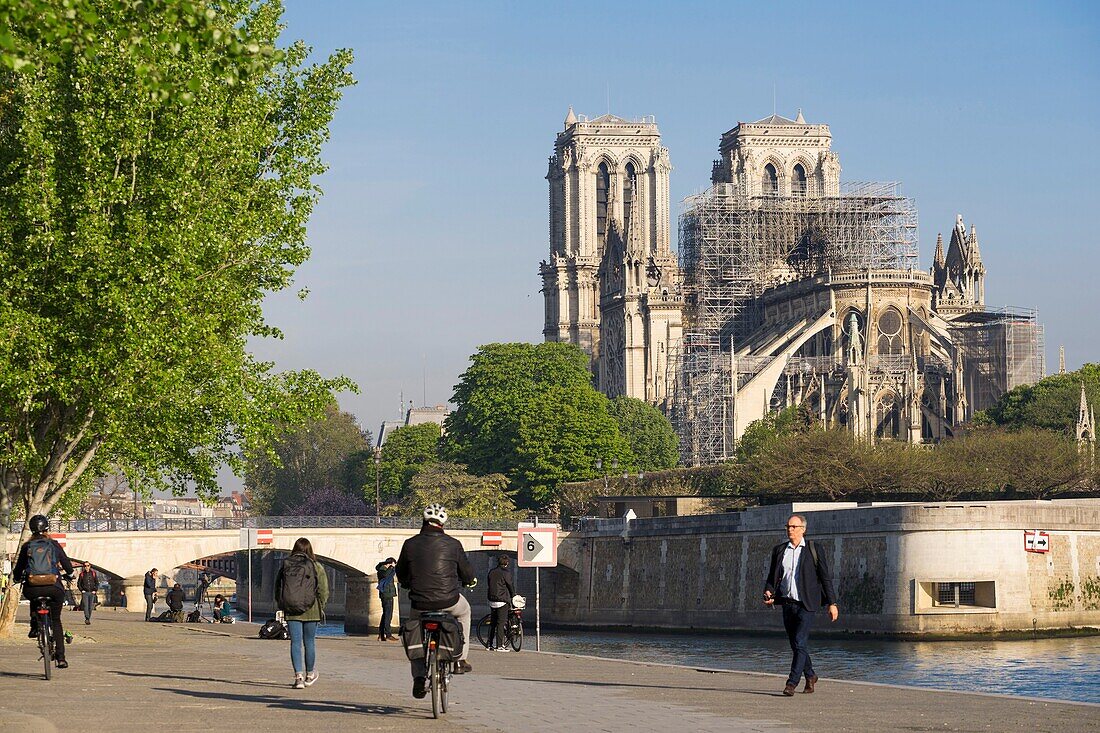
x=1036 y=540
x=537 y=547
x=265 y=537
x=492 y=539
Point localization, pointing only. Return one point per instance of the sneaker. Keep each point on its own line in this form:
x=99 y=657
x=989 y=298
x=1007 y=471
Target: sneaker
x=87 y=622
x=62 y=664
x=503 y=649
x=33 y=633
x=420 y=687
x=311 y=677
x=299 y=683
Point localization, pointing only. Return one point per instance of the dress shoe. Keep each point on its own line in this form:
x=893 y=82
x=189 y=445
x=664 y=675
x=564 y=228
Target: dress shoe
x=420 y=687
x=788 y=690
x=392 y=638
x=462 y=667
x=810 y=682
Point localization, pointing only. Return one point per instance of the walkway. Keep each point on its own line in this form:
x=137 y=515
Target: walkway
x=142 y=676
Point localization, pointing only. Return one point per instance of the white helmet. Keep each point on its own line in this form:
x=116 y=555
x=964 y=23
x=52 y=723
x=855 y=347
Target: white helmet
x=435 y=513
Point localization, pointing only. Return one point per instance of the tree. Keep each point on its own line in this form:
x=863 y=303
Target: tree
x=652 y=440
x=1051 y=403
x=773 y=426
x=141 y=234
x=407 y=450
x=529 y=411
x=465 y=496
x=306 y=458
x=329 y=502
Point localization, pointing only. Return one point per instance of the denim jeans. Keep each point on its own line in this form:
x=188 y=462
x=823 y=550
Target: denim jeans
x=387 y=616
x=798 y=621
x=87 y=602
x=303 y=634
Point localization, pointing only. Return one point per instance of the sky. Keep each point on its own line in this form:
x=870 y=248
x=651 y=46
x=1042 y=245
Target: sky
x=434 y=218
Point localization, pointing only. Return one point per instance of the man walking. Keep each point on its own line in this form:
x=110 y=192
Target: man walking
x=799 y=580
x=150 y=590
x=387 y=592
x=88 y=583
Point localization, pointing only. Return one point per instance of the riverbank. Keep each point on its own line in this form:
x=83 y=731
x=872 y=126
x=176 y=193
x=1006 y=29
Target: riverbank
x=223 y=678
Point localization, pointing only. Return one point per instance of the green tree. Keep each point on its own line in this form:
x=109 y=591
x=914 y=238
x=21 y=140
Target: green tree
x=141 y=235
x=407 y=451
x=306 y=458
x=529 y=411
x=1051 y=403
x=773 y=426
x=652 y=440
x=465 y=496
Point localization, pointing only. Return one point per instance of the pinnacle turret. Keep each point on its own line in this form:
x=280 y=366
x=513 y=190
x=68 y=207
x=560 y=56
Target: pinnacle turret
x=570 y=119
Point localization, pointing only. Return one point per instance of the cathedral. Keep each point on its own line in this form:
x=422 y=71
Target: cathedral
x=791 y=288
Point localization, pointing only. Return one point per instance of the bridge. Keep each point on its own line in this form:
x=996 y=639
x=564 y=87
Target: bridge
x=126 y=549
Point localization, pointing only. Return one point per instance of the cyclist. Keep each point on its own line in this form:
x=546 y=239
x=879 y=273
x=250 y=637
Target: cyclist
x=54 y=591
x=501 y=591
x=434 y=567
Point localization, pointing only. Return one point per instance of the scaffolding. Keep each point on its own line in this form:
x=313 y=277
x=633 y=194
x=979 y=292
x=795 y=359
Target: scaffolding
x=733 y=247
x=1000 y=350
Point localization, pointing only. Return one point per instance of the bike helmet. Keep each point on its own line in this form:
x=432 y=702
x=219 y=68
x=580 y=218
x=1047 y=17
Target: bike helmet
x=435 y=513
x=39 y=524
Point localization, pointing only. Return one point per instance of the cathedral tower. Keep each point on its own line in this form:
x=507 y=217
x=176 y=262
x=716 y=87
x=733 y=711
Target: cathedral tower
x=609 y=212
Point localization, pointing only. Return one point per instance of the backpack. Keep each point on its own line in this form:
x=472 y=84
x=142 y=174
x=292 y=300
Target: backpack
x=274 y=629
x=41 y=562
x=296 y=591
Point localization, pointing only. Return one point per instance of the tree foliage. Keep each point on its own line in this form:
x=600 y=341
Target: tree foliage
x=652 y=440
x=407 y=450
x=465 y=495
x=760 y=434
x=529 y=412
x=1051 y=403
x=329 y=502
x=310 y=457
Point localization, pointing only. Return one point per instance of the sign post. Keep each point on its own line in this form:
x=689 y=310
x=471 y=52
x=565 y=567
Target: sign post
x=248 y=539
x=537 y=547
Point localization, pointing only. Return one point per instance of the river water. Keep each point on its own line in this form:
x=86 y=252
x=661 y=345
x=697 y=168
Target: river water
x=1059 y=669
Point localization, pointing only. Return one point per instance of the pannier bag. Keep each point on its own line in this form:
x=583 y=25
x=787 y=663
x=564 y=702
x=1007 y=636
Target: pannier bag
x=449 y=637
x=41 y=563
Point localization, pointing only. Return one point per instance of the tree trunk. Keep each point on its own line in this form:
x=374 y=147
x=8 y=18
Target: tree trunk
x=11 y=597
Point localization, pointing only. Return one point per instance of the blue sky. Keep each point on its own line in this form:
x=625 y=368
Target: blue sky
x=434 y=220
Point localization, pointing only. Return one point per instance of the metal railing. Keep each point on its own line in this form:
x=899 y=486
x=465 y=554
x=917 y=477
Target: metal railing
x=179 y=524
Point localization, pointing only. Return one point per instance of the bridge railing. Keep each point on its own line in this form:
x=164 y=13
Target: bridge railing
x=76 y=526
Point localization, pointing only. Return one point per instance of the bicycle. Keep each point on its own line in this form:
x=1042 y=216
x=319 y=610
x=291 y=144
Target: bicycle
x=513 y=630
x=46 y=646
x=439 y=669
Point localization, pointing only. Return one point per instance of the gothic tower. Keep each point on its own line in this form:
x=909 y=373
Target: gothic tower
x=609 y=218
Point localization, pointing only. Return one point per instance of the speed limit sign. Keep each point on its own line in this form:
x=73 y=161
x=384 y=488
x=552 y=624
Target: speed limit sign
x=537 y=547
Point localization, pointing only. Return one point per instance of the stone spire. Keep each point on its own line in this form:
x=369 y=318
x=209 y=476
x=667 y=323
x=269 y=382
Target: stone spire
x=570 y=119
x=1086 y=425
x=1061 y=359
x=939 y=260
x=800 y=119
x=973 y=254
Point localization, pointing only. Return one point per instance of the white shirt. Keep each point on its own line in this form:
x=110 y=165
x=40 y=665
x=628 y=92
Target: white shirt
x=788 y=580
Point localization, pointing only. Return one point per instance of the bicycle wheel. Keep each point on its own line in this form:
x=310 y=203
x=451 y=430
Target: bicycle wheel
x=444 y=683
x=483 y=631
x=44 y=647
x=515 y=634
x=434 y=681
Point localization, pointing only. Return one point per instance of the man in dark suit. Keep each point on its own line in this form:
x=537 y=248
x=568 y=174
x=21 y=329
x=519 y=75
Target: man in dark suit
x=799 y=580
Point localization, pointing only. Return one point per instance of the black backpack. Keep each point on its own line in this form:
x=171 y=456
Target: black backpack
x=274 y=629
x=296 y=591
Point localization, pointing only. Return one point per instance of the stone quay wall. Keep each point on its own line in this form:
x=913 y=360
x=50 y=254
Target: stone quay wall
x=895 y=567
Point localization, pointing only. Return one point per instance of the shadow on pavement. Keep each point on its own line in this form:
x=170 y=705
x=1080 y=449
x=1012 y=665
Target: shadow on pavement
x=290 y=703
x=254 y=683
x=24 y=675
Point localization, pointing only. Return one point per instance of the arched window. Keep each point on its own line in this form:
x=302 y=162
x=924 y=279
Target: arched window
x=888 y=417
x=630 y=181
x=771 y=180
x=798 y=181
x=603 y=183
x=889 y=332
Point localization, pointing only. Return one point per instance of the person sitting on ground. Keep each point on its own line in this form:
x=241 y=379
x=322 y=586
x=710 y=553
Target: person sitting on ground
x=501 y=591
x=175 y=602
x=434 y=567
x=219 y=607
x=41 y=560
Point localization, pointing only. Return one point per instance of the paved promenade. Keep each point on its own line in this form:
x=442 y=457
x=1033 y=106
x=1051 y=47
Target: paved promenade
x=128 y=675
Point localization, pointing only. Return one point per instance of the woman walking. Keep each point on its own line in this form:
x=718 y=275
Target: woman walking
x=301 y=591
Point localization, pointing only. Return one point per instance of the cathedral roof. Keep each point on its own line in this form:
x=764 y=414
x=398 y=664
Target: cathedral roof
x=778 y=120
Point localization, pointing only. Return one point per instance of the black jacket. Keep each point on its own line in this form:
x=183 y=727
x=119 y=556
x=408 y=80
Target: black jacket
x=500 y=585
x=150 y=585
x=815 y=587
x=88 y=581
x=59 y=556
x=434 y=568
x=175 y=599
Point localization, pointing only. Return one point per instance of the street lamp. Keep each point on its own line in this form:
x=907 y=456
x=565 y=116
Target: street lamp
x=377 y=481
x=599 y=467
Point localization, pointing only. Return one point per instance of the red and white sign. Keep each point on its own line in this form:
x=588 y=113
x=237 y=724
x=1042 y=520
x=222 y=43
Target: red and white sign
x=492 y=539
x=1036 y=540
x=59 y=536
x=537 y=547
x=265 y=536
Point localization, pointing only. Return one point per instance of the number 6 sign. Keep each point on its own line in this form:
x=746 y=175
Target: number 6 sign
x=538 y=547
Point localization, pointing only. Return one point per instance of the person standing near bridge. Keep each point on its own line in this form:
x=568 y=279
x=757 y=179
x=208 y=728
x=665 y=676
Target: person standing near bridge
x=88 y=583
x=387 y=593
x=150 y=590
